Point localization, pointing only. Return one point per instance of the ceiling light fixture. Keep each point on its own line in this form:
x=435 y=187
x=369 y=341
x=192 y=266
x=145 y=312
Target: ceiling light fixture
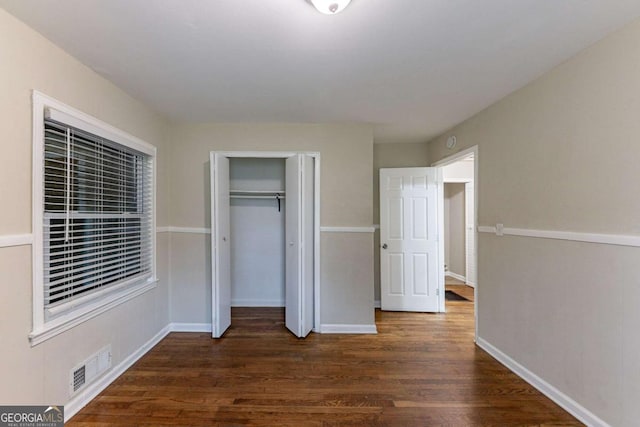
x=330 y=7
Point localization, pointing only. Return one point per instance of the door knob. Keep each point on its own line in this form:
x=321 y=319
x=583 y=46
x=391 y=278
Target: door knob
x=384 y=246
x=290 y=243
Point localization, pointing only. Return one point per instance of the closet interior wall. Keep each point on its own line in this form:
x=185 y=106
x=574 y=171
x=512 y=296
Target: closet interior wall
x=257 y=232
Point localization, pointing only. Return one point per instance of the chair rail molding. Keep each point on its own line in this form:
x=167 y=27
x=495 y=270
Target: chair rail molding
x=326 y=229
x=598 y=238
x=9 y=240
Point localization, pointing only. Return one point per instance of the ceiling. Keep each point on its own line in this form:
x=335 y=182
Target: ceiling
x=411 y=68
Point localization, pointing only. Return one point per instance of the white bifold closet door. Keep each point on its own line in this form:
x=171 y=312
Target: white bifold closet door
x=299 y=235
x=220 y=245
x=299 y=245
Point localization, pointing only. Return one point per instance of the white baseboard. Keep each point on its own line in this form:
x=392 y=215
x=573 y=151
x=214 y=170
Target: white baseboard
x=348 y=329
x=85 y=396
x=377 y=304
x=257 y=303
x=456 y=276
x=190 y=327
x=570 y=405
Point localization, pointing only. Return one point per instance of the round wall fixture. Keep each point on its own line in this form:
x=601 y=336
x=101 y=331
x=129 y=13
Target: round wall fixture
x=330 y=7
x=451 y=142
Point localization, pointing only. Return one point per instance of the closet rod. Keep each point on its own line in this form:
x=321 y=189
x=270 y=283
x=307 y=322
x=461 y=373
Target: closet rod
x=234 y=196
x=257 y=191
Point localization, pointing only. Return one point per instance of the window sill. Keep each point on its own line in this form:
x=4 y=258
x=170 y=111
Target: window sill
x=75 y=318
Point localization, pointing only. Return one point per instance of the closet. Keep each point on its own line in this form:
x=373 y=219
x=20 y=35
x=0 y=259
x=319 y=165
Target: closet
x=264 y=235
x=257 y=229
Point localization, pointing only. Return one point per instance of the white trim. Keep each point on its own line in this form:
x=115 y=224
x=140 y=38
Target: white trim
x=264 y=154
x=162 y=229
x=348 y=229
x=456 y=276
x=95 y=299
x=56 y=110
x=442 y=305
x=240 y=302
x=460 y=155
x=92 y=390
x=316 y=243
x=567 y=403
x=190 y=327
x=348 y=329
x=604 y=239
x=37 y=214
x=486 y=229
x=457 y=180
x=188 y=230
x=470 y=233
x=10 y=240
x=376 y=226
x=377 y=304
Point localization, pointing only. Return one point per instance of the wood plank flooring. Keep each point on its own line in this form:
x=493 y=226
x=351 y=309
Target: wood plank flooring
x=463 y=291
x=420 y=370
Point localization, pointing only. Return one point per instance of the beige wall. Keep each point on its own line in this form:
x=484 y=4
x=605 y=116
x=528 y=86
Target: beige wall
x=346 y=152
x=391 y=156
x=562 y=154
x=346 y=200
x=454 y=228
x=39 y=375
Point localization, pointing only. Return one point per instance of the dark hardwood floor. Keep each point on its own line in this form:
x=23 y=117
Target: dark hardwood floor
x=420 y=370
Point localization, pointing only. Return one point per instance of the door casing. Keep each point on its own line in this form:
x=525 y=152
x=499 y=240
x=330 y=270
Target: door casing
x=447 y=161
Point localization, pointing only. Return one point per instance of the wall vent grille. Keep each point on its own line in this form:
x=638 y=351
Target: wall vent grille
x=79 y=377
x=87 y=371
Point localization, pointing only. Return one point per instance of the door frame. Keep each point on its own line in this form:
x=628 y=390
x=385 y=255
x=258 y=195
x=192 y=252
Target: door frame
x=439 y=164
x=316 y=218
x=467 y=207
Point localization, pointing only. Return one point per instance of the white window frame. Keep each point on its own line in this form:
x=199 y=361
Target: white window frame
x=103 y=300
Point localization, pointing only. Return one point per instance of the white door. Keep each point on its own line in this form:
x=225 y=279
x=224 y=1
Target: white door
x=409 y=239
x=470 y=235
x=299 y=245
x=220 y=248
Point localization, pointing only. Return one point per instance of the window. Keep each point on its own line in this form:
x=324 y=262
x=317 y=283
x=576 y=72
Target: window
x=93 y=217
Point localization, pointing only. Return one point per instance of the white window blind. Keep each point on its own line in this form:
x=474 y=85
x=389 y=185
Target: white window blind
x=97 y=222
